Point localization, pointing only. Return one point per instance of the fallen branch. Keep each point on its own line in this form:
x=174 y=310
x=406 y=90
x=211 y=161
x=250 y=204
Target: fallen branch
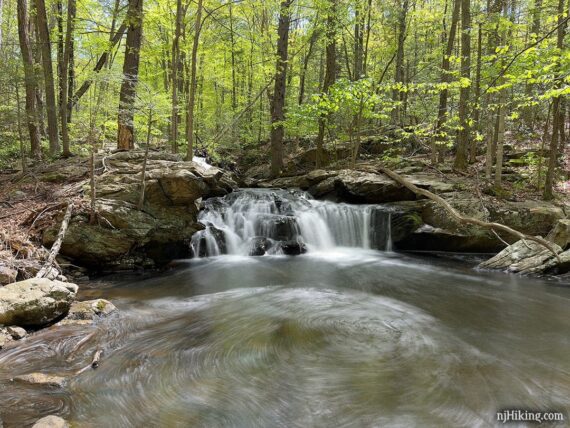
x=467 y=220
x=94 y=363
x=57 y=244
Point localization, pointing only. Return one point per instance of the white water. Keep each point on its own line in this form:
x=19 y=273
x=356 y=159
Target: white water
x=237 y=221
x=202 y=162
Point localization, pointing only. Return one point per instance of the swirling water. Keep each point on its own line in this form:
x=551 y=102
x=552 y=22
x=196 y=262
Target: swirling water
x=338 y=337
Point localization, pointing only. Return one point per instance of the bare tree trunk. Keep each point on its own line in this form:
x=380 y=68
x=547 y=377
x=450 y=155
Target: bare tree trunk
x=278 y=103
x=330 y=73
x=64 y=77
x=500 y=138
x=443 y=95
x=464 y=93
x=399 y=77
x=125 y=135
x=29 y=79
x=557 y=117
x=51 y=105
x=19 y=123
x=192 y=88
x=477 y=110
x=306 y=58
x=175 y=74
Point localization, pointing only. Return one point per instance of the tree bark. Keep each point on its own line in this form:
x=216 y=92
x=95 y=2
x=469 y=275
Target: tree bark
x=29 y=79
x=278 y=102
x=64 y=77
x=125 y=135
x=399 y=77
x=175 y=75
x=51 y=105
x=477 y=109
x=557 y=117
x=464 y=133
x=330 y=73
x=192 y=88
x=443 y=95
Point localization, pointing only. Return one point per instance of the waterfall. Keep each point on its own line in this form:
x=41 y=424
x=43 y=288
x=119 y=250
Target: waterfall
x=271 y=221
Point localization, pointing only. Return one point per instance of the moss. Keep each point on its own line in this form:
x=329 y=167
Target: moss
x=101 y=305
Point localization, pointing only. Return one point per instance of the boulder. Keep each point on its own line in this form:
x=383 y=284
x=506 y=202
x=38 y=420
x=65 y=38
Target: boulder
x=365 y=187
x=50 y=380
x=293 y=248
x=88 y=310
x=126 y=237
x=7 y=275
x=35 y=302
x=16 y=332
x=51 y=422
x=5 y=337
x=259 y=246
x=560 y=233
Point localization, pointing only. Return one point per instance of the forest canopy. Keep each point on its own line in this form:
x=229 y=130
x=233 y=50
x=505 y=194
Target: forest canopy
x=249 y=79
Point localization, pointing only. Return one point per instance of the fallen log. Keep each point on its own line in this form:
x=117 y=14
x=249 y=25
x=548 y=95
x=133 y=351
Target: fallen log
x=467 y=220
x=46 y=268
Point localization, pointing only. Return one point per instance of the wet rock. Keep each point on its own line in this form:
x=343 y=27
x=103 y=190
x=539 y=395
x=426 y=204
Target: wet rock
x=293 y=248
x=259 y=246
x=88 y=310
x=278 y=227
x=51 y=422
x=51 y=380
x=7 y=275
x=5 y=337
x=209 y=242
x=35 y=302
x=125 y=236
x=17 y=333
x=560 y=234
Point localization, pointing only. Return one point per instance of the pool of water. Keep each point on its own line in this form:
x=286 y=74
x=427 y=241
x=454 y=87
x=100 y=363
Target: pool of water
x=342 y=338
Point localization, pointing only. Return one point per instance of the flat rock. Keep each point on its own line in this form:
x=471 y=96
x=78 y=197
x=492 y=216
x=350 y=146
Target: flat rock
x=89 y=310
x=42 y=379
x=35 y=302
x=51 y=422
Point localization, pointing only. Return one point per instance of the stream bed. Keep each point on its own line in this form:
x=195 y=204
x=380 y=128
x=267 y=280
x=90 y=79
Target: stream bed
x=343 y=338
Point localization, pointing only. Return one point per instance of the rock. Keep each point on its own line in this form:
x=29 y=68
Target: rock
x=7 y=275
x=277 y=227
x=523 y=256
x=293 y=248
x=560 y=234
x=259 y=246
x=5 y=337
x=17 y=333
x=51 y=422
x=126 y=237
x=42 y=379
x=35 y=302
x=88 y=310
x=370 y=188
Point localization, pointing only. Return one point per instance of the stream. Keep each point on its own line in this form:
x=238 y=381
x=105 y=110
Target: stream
x=348 y=334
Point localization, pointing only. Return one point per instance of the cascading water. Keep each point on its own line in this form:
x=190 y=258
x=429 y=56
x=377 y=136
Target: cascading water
x=257 y=222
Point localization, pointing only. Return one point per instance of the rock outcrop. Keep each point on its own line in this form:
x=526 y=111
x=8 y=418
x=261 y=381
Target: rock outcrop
x=125 y=236
x=35 y=302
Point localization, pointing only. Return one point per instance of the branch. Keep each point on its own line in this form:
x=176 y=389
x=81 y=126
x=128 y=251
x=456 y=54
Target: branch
x=57 y=244
x=467 y=220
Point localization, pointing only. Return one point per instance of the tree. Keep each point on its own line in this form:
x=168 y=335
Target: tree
x=192 y=88
x=175 y=74
x=29 y=79
x=330 y=71
x=278 y=101
x=64 y=77
x=125 y=137
x=51 y=106
x=463 y=135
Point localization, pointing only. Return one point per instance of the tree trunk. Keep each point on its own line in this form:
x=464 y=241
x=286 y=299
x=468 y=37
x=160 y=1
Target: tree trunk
x=330 y=74
x=464 y=134
x=51 y=105
x=192 y=88
x=557 y=117
x=477 y=109
x=443 y=95
x=175 y=75
x=29 y=79
x=125 y=136
x=306 y=58
x=278 y=102
x=400 y=70
x=64 y=76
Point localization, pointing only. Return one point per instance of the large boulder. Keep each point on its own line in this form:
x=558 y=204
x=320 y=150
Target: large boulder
x=35 y=302
x=560 y=233
x=126 y=236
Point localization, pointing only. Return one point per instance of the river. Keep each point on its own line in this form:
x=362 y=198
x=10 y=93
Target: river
x=337 y=337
